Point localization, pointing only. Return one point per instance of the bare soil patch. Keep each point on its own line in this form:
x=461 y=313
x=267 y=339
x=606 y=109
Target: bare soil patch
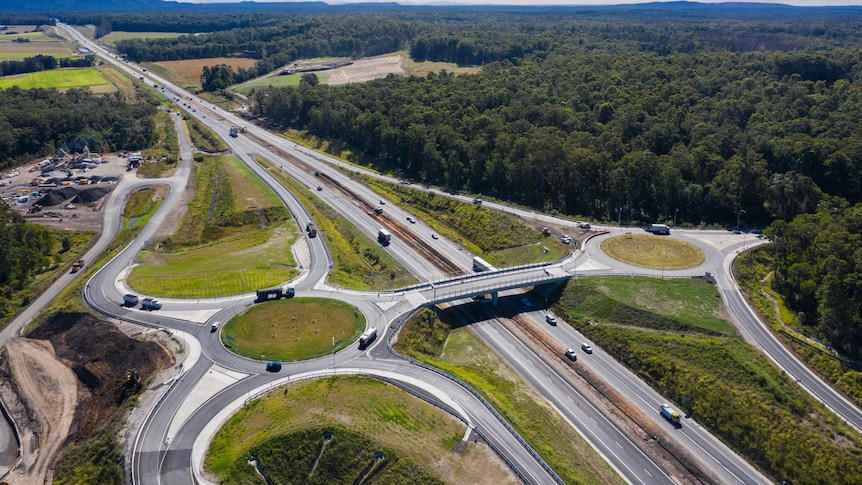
x=49 y=391
x=69 y=387
x=366 y=70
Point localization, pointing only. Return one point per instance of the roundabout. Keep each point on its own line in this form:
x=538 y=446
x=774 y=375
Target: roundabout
x=293 y=329
x=653 y=252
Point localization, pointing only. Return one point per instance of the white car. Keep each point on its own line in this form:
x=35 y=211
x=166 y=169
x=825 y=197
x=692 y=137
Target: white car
x=586 y=348
x=565 y=239
x=411 y=220
x=214 y=327
x=571 y=354
x=550 y=319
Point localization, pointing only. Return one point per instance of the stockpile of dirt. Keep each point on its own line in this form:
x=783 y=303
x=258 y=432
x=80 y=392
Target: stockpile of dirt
x=109 y=365
x=79 y=195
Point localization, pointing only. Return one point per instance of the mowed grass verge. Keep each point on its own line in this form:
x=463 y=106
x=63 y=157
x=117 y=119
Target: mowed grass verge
x=288 y=80
x=124 y=35
x=650 y=251
x=441 y=341
x=392 y=419
x=56 y=78
x=293 y=329
x=713 y=375
x=360 y=262
x=235 y=238
x=499 y=238
x=188 y=72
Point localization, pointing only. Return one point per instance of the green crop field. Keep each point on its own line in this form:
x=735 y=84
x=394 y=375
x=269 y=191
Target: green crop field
x=442 y=342
x=285 y=430
x=57 y=78
x=293 y=329
x=650 y=251
x=669 y=333
x=30 y=36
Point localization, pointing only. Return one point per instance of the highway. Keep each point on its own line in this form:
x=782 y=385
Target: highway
x=164 y=459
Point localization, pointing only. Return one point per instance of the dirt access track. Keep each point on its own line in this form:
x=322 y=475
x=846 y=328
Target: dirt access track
x=61 y=382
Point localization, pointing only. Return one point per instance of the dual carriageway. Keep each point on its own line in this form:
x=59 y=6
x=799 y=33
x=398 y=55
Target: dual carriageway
x=170 y=444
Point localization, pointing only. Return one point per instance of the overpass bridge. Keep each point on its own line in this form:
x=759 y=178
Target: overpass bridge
x=488 y=282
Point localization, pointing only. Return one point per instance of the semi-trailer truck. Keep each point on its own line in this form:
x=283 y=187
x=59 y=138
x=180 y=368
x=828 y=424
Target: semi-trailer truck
x=367 y=337
x=659 y=229
x=480 y=265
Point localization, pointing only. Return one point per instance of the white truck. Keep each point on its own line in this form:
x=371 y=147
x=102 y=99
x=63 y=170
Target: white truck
x=384 y=237
x=669 y=413
x=367 y=337
x=480 y=265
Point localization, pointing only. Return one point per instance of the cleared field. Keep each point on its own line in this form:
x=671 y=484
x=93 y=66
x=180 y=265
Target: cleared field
x=413 y=68
x=443 y=342
x=57 y=78
x=391 y=418
x=30 y=36
x=122 y=35
x=650 y=251
x=15 y=51
x=293 y=329
x=188 y=72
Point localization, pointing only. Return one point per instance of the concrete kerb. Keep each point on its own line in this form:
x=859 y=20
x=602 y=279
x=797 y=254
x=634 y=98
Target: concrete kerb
x=206 y=436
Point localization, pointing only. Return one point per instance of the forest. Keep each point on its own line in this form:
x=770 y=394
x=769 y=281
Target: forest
x=36 y=122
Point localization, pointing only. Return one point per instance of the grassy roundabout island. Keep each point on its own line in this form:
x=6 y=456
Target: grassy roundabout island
x=293 y=329
x=656 y=252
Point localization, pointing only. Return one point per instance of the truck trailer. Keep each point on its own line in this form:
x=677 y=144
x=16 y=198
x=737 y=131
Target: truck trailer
x=311 y=229
x=661 y=229
x=384 y=237
x=367 y=337
x=480 y=265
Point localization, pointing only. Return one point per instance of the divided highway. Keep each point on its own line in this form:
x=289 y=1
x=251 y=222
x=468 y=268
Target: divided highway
x=161 y=458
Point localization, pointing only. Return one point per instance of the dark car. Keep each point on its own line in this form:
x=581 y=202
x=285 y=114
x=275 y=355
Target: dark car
x=273 y=366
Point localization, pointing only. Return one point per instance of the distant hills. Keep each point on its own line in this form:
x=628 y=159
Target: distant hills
x=645 y=11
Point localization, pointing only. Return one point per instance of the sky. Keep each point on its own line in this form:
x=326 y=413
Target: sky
x=800 y=3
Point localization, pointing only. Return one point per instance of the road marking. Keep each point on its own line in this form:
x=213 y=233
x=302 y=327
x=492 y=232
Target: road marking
x=648 y=473
x=618 y=443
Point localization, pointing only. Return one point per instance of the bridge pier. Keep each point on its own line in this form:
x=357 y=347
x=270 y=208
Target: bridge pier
x=494 y=297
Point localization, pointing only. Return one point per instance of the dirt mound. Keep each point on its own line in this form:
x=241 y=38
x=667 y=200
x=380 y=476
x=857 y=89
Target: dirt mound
x=79 y=195
x=109 y=364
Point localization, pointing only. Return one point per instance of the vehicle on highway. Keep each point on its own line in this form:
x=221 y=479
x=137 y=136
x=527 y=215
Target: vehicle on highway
x=570 y=353
x=150 y=304
x=435 y=236
x=130 y=300
x=141 y=78
x=586 y=348
x=382 y=202
x=319 y=188
x=551 y=319
x=480 y=265
x=526 y=302
x=384 y=237
x=378 y=210
x=273 y=366
x=584 y=225
x=669 y=413
x=214 y=327
x=565 y=239
x=411 y=220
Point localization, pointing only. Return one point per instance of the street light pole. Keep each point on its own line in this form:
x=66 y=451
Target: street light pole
x=738 y=214
x=620 y=217
x=675 y=212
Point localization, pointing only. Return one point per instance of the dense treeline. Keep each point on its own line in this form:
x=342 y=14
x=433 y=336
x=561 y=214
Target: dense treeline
x=631 y=137
x=42 y=63
x=190 y=23
x=37 y=122
x=25 y=249
x=819 y=271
